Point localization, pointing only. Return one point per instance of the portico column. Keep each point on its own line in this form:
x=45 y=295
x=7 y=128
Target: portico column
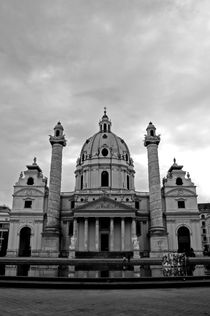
x=97 y=234
x=75 y=228
x=111 y=234
x=133 y=230
x=122 y=234
x=86 y=234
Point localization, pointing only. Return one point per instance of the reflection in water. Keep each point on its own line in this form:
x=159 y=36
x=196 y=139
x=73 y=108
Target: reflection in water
x=105 y=271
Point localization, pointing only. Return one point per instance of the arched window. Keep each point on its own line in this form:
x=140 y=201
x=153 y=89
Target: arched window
x=151 y=133
x=30 y=181
x=179 y=181
x=81 y=184
x=105 y=128
x=57 y=133
x=104 y=179
x=128 y=183
x=126 y=157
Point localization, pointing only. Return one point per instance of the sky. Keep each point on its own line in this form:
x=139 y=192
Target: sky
x=65 y=60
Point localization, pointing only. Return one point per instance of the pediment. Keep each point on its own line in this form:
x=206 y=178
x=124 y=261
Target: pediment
x=104 y=204
x=179 y=192
x=29 y=192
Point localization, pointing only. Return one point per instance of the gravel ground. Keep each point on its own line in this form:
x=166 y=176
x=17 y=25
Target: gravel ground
x=184 y=301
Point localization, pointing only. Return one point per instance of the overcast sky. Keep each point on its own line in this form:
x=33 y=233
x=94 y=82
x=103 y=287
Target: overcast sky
x=145 y=60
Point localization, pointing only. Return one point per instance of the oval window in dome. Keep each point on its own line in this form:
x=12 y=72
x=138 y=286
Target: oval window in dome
x=104 y=152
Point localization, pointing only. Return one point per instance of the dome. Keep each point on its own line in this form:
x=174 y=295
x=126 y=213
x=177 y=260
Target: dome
x=104 y=153
x=105 y=144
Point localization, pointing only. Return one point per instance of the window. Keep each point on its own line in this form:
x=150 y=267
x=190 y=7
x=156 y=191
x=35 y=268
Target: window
x=179 y=181
x=203 y=223
x=181 y=204
x=70 y=228
x=105 y=128
x=72 y=204
x=81 y=184
x=138 y=229
x=137 y=205
x=104 y=152
x=204 y=231
x=28 y=204
x=30 y=181
x=57 y=133
x=203 y=216
x=104 y=179
x=128 y=183
x=151 y=133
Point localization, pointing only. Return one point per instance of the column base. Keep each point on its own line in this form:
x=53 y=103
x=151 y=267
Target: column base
x=50 y=243
x=158 y=245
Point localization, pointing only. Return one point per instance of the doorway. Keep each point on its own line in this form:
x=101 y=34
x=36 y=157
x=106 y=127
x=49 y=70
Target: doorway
x=183 y=239
x=104 y=241
x=25 y=242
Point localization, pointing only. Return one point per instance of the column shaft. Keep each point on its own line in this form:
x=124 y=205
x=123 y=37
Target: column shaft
x=97 y=234
x=86 y=235
x=133 y=228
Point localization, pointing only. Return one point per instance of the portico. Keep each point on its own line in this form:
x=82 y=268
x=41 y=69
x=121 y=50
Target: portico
x=104 y=225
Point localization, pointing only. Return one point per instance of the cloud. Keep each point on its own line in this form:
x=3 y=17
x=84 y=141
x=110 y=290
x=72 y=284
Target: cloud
x=66 y=60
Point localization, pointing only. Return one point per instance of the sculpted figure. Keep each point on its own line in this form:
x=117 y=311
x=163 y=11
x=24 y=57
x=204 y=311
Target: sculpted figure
x=135 y=243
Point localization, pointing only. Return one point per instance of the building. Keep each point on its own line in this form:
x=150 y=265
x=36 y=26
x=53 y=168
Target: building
x=104 y=216
x=204 y=209
x=4 y=229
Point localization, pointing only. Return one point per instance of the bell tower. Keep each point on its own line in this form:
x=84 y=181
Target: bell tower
x=51 y=234
x=158 y=238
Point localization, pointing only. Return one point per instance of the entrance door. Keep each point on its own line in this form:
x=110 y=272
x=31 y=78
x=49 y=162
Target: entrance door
x=25 y=239
x=183 y=239
x=104 y=241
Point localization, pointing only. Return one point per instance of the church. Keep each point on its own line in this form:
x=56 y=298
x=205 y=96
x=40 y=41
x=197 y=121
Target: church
x=104 y=217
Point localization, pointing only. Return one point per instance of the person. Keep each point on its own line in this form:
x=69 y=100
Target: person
x=190 y=267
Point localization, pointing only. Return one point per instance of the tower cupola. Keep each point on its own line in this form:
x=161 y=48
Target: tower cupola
x=151 y=137
x=58 y=137
x=58 y=130
x=105 y=123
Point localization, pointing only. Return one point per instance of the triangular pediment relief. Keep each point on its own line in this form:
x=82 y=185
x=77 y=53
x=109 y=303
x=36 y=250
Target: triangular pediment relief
x=179 y=192
x=104 y=204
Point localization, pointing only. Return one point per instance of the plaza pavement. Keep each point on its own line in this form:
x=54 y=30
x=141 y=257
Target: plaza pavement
x=170 y=302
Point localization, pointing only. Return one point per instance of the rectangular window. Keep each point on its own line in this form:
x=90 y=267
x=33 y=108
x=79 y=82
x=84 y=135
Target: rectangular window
x=137 y=205
x=72 y=204
x=181 y=204
x=138 y=228
x=204 y=231
x=70 y=228
x=203 y=223
x=28 y=204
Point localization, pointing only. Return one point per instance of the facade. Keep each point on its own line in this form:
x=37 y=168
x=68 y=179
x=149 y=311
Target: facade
x=104 y=216
x=4 y=229
x=204 y=209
